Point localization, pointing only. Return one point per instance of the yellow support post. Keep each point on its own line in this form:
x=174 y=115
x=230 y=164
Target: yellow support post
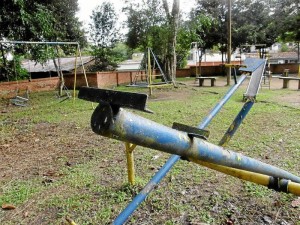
x=75 y=74
x=130 y=162
x=149 y=72
x=257 y=178
x=294 y=188
x=70 y=221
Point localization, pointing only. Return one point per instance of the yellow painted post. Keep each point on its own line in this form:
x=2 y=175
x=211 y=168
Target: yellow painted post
x=257 y=178
x=241 y=174
x=294 y=188
x=149 y=72
x=75 y=74
x=130 y=162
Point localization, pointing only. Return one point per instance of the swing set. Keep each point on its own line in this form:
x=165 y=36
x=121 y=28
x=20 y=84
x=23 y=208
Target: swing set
x=62 y=89
x=147 y=77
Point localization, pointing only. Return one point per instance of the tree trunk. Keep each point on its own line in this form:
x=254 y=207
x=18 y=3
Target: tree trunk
x=170 y=58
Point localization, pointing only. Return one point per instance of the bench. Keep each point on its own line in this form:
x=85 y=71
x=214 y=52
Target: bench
x=201 y=80
x=286 y=81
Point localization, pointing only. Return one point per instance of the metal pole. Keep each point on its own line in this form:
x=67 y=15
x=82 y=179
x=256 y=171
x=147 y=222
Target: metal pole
x=130 y=162
x=80 y=56
x=39 y=42
x=138 y=199
x=229 y=43
x=217 y=108
x=299 y=59
x=236 y=123
x=75 y=74
x=149 y=72
x=129 y=127
x=265 y=180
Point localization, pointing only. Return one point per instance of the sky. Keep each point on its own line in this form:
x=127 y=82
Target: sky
x=87 y=6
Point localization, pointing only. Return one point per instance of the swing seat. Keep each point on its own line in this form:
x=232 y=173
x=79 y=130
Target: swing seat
x=20 y=100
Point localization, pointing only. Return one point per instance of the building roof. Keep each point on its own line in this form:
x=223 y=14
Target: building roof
x=284 y=55
x=67 y=64
x=129 y=65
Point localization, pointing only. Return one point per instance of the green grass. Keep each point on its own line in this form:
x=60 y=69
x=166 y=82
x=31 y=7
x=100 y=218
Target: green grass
x=18 y=192
x=93 y=189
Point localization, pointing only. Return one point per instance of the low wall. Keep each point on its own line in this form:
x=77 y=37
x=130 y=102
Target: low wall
x=8 y=89
x=207 y=71
x=80 y=80
x=115 y=78
x=278 y=68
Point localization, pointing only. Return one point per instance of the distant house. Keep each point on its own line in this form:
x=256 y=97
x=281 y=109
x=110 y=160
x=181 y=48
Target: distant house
x=129 y=64
x=283 y=57
x=48 y=69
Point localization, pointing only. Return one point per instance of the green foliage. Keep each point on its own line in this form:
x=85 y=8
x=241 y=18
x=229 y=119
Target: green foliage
x=210 y=16
x=192 y=32
x=104 y=59
x=38 y=21
x=152 y=25
x=144 y=21
x=12 y=70
x=103 y=29
x=105 y=34
x=253 y=22
x=284 y=47
x=121 y=52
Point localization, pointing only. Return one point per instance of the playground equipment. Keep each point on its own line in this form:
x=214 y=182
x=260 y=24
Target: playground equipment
x=20 y=100
x=110 y=119
x=61 y=87
x=147 y=70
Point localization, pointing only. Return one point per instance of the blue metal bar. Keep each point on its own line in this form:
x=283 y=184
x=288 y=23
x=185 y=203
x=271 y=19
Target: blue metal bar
x=138 y=199
x=138 y=130
x=217 y=108
x=236 y=123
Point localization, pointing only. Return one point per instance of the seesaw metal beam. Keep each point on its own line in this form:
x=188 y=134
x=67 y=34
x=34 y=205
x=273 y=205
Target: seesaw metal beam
x=92 y=95
x=128 y=127
x=110 y=120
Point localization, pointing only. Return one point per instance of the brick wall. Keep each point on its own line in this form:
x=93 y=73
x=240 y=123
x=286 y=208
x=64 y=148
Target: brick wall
x=8 y=89
x=207 y=70
x=101 y=79
x=184 y=72
x=278 y=68
x=80 y=80
x=114 y=78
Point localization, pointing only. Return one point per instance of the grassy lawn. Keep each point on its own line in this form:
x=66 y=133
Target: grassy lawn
x=52 y=165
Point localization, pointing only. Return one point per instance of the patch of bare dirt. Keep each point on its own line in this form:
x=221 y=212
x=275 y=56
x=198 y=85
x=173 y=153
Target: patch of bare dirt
x=44 y=149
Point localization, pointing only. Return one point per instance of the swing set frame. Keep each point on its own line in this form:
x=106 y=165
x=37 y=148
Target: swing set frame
x=78 y=54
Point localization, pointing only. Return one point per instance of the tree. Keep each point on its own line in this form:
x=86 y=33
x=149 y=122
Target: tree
x=289 y=21
x=210 y=16
x=105 y=34
x=172 y=21
x=252 y=23
x=144 y=22
x=38 y=20
x=149 y=21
